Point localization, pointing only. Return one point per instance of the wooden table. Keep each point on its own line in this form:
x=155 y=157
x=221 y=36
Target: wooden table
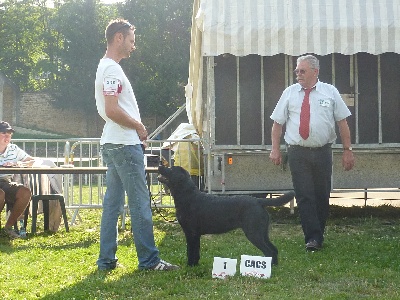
x=63 y=171
x=57 y=170
x=60 y=170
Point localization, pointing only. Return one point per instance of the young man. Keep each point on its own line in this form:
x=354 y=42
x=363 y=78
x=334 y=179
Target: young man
x=310 y=109
x=121 y=145
x=13 y=194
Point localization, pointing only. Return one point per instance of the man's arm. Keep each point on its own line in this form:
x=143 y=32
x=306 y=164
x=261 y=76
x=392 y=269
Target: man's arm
x=119 y=116
x=276 y=133
x=28 y=161
x=348 y=158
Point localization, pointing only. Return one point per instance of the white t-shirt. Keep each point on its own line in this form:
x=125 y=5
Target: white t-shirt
x=111 y=80
x=326 y=108
x=13 y=153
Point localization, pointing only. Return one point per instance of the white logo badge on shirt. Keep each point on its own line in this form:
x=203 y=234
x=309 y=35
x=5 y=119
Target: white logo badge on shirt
x=112 y=87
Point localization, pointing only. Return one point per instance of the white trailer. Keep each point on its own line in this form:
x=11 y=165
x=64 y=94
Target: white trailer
x=243 y=53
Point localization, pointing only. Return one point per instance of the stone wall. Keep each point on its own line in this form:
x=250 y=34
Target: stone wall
x=37 y=111
x=8 y=94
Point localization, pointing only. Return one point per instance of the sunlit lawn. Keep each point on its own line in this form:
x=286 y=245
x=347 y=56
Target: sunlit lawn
x=360 y=260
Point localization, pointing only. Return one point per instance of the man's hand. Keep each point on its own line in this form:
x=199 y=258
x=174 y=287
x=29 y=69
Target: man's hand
x=348 y=160
x=119 y=116
x=18 y=164
x=142 y=132
x=276 y=157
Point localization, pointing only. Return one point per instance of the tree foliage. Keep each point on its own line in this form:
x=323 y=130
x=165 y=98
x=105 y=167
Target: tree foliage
x=21 y=27
x=82 y=38
x=57 y=48
x=159 y=66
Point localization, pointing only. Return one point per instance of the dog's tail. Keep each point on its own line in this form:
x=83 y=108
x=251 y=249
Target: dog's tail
x=279 y=201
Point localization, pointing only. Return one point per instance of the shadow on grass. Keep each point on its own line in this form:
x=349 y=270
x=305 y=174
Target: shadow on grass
x=339 y=212
x=94 y=286
x=5 y=244
x=126 y=281
x=117 y=284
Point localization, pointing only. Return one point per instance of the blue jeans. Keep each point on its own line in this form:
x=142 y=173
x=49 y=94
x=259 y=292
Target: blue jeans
x=126 y=173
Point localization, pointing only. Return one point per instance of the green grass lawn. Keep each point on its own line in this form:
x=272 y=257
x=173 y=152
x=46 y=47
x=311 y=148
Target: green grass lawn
x=360 y=260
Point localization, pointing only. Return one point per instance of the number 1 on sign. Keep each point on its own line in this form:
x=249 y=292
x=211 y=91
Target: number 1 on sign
x=223 y=267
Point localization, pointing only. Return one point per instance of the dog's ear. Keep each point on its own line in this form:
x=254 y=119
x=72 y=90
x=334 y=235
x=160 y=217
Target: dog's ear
x=183 y=171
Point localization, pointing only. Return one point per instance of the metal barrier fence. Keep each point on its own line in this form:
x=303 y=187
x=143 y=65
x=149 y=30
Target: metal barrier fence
x=87 y=190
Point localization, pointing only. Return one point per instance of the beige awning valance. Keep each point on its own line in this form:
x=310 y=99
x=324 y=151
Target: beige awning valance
x=296 y=27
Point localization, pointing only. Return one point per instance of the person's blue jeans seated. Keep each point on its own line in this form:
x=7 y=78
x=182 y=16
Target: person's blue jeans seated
x=126 y=172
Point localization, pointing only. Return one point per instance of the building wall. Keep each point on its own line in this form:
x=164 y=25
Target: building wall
x=8 y=105
x=8 y=94
x=36 y=111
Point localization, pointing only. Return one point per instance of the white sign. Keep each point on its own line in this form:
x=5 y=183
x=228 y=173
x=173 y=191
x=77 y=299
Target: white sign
x=256 y=266
x=223 y=267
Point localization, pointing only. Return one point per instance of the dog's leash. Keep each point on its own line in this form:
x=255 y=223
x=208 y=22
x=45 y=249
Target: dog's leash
x=158 y=209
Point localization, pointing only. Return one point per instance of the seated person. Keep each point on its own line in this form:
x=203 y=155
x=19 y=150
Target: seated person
x=14 y=194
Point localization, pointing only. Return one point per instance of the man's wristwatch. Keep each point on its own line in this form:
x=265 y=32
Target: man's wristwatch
x=348 y=148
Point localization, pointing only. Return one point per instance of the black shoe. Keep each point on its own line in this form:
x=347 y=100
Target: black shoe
x=313 y=245
x=109 y=267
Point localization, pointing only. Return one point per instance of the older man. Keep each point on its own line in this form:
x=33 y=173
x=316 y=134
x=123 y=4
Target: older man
x=310 y=109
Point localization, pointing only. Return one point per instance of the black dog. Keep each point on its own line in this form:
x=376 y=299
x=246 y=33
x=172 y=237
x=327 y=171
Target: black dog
x=200 y=213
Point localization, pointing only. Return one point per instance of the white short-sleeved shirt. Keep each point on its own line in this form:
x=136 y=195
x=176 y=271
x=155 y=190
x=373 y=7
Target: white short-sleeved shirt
x=111 y=80
x=326 y=108
x=13 y=154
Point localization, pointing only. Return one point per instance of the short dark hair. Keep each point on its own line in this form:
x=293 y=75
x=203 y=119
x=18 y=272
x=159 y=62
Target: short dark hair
x=118 y=25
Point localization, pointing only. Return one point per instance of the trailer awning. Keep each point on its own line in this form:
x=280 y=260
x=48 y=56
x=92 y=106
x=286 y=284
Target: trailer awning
x=293 y=27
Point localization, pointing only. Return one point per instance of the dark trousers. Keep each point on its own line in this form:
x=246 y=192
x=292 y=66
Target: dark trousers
x=311 y=170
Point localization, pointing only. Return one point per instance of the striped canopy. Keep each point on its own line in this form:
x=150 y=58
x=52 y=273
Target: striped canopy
x=296 y=27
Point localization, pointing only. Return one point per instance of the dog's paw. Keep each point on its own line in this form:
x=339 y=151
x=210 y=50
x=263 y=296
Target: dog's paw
x=193 y=264
x=274 y=261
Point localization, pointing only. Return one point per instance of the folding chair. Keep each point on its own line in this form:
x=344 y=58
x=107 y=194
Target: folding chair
x=37 y=187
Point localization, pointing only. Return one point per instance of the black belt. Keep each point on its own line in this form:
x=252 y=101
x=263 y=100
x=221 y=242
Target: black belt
x=310 y=148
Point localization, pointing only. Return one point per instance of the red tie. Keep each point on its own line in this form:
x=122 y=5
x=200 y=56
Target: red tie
x=304 y=128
